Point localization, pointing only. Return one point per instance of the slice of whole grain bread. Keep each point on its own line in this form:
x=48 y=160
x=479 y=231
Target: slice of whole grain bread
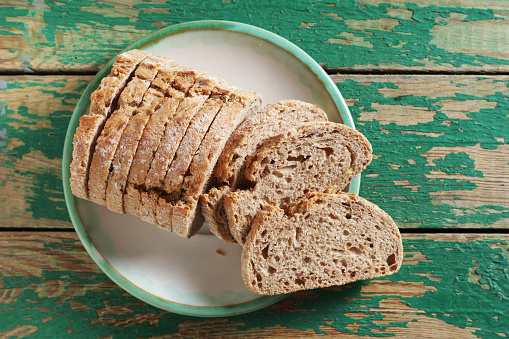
x=316 y=157
x=270 y=121
x=323 y=240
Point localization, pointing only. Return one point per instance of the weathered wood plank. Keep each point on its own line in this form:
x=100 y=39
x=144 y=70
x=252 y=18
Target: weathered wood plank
x=34 y=115
x=441 y=146
x=440 y=143
x=450 y=285
x=355 y=35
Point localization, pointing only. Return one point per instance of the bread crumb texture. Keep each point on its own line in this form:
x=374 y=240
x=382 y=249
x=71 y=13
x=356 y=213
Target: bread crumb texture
x=324 y=240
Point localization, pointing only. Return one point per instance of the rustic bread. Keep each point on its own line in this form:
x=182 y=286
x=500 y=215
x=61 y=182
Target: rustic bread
x=323 y=240
x=316 y=157
x=131 y=136
x=186 y=216
x=106 y=145
x=268 y=122
x=151 y=137
x=102 y=103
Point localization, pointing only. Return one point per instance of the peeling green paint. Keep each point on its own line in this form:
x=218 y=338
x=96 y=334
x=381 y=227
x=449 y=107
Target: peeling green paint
x=332 y=35
x=456 y=295
x=396 y=146
x=448 y=293
x=20 y=138
x=458 y=163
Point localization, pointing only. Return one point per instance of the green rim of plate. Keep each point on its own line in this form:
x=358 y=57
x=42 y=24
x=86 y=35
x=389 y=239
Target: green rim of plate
x=111 y=272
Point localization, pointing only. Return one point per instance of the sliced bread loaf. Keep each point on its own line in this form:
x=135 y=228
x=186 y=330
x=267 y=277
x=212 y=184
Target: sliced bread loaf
x=186 y=216
x=102 y=103
x=323 y=240
x=316 y=157
x=129 y=100
x=246 y=139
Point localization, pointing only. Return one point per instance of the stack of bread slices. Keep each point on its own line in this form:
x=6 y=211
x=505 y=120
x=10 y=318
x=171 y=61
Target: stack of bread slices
x=174 y=146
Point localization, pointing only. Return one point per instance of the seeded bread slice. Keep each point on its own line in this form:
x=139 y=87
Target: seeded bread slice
x=316 y=157
x=131 y=136
x=186 y=214
x=107 y=142
x=151 y=137
x=323 y=240
x=268 y=122
x=102 y=103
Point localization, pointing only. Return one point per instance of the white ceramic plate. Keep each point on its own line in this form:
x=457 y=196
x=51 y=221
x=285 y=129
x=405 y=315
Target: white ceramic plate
x=162 y=269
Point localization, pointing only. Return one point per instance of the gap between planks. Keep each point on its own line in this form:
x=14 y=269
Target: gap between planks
x=476 y=231
x=329 y=71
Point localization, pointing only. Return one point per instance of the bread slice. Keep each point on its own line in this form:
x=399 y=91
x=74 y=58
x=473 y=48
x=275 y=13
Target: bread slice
x=130 y=98
x=270 y=121
x=316 y=157
x=102 y=103
x=323 y=240
x=151 y=137
x=186 y=216
x=131 y=136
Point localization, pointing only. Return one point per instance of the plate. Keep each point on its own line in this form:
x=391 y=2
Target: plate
x=200 y=276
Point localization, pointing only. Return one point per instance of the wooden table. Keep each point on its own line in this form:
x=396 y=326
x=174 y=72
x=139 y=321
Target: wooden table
x=426 y=83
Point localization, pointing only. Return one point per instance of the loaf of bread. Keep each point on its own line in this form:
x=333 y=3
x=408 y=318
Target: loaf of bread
x=316 y=157
x=322 y=240
x=176 y=146
x=152 y=137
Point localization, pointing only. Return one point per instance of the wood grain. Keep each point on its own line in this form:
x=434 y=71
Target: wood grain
x=34 y=116
x=54 y=36
x=450 y=285
x=440 y=145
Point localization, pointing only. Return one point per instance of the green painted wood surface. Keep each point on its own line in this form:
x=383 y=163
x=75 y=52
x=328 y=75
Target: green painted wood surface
x=49 y=285
x=440 y=145
x=81 y=36
x=441 y=161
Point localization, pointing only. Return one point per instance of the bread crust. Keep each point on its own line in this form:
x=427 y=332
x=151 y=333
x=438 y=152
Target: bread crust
x=186 y=212
x=151 y=137
x=174 y=132
x=323 y=240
